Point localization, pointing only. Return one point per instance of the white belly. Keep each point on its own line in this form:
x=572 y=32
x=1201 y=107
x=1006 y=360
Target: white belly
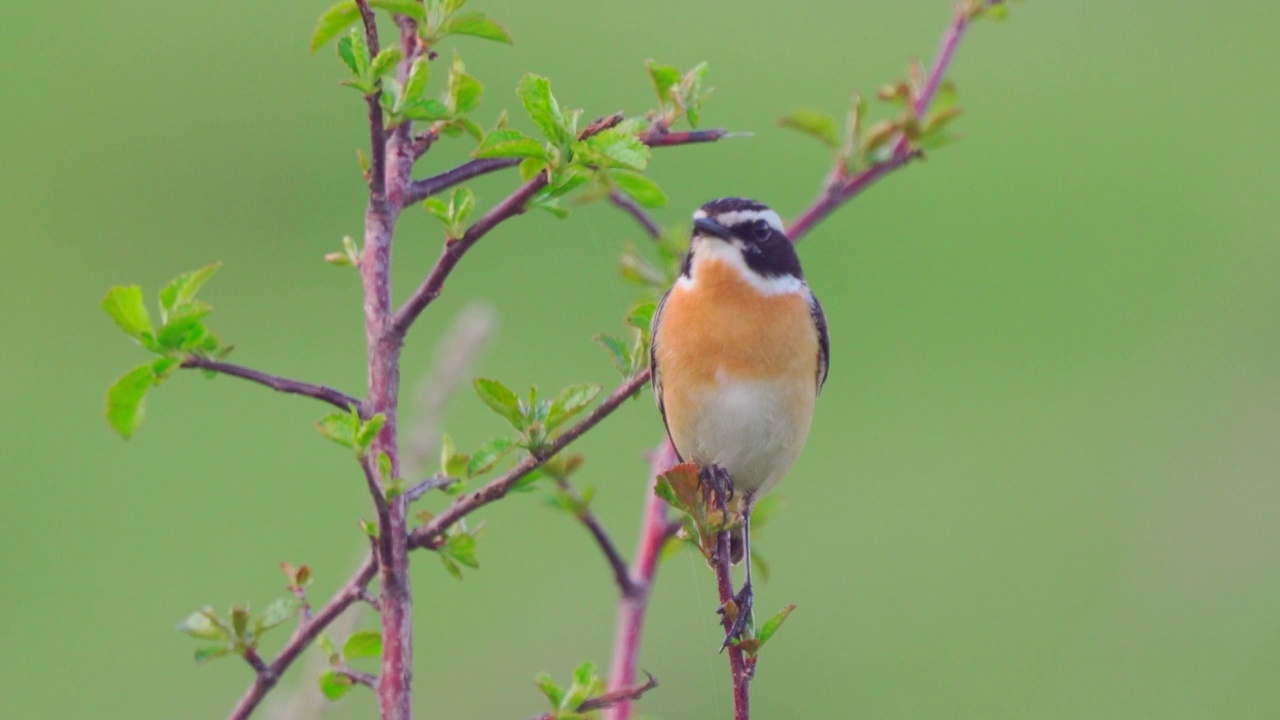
x=754 y=429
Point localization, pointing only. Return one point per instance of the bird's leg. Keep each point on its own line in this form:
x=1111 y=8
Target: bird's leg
x=718 y=481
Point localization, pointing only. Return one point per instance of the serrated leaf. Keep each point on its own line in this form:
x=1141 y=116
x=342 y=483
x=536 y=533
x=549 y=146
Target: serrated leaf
x=126 y=400
x=510 y=143
x=385 y=62
x=183 y=288
x=488 y=455
x=500 y=399
x=125 y=306
x=814 y=123
x=201 y=624
x=616 y=148
x=640 y=188
x=334 y=685
x=414 y=85
x=478 y=25
x=340 y=428
x=347 y=53
x=571 y=401
x=277 y=612
x=410 y=8
x=664 y=78
x=535 y=94
x=333 y=22
x=212 y=652
x=363 y=644
x=772 y=624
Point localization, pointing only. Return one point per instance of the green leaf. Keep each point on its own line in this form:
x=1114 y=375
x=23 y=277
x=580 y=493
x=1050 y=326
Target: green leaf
x=428 y=109
x=126 y=408
x=500 y=399
x=510 y=143
x=585 y=674
x=385 y=62
x=212 y=652
x=814 y=123
x=772 y=624
x=463 y=91
x=488 y=455
x=333 y=22
x=477 y=25
x=340 y=428
x=664 y=78
x=334 y=685
x=461 y=546
x=182 y=289
x=277 y=612
x=411 y=8
x=549 y=688
x=347 y=53
x=204 y=624
x=124 y=304
x=452 y=463
x=571 y=401
x=240 y=620
x=329 y=649
x=367 y=431
x=643 y=190
x=451 y=566
x=615 y=148
x=619 y=353
x=535 y=93
x=691 y=95
x=415 y=85
x=363 y=644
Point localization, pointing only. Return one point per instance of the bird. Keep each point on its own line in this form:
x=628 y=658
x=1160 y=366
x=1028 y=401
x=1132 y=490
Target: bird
x=739 y=353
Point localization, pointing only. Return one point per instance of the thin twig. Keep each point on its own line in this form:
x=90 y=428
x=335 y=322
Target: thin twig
x=633 y=208
x=667 y=138
x=616 y=562
x=845 y=186
x=303 y=637
x=420 y=190
x=377 y=133
x=608 y=700
x=429 y=535
x=361 y=678
x=279 y=384
x=438 y=482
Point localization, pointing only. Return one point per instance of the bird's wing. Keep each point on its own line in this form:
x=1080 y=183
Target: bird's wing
x=824 y=339
x=655 y=375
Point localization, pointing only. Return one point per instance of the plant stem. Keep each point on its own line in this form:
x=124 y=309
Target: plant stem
x=632 y=606
x=737 y=663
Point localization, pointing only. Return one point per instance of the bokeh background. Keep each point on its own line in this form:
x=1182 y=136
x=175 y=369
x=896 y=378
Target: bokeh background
x=1043 y=477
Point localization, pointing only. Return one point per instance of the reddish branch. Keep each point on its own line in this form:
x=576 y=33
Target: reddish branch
x=737 y=662
x=610 y=699
x=279 y=384
x=601 y=536
x=301 y=638
x=843 y=186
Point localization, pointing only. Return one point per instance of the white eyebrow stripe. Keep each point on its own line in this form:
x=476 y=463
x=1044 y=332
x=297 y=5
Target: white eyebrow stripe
x=739 y=217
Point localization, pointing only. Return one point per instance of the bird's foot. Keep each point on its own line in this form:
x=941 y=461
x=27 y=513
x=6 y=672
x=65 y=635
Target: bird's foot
x=745 y=602
x=718 y=480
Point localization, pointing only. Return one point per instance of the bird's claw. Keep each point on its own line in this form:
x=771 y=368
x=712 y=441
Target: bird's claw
x=718 y=480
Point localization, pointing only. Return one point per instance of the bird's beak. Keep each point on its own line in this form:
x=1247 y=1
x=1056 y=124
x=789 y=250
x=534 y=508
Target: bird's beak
x=712 y=228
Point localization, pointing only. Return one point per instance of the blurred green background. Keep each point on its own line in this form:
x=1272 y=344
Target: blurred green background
x=1043 y=477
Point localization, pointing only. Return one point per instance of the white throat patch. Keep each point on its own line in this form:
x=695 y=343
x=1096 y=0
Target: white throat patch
x=706 y=249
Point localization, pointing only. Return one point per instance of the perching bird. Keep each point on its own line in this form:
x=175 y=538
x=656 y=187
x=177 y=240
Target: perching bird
x=739 y=354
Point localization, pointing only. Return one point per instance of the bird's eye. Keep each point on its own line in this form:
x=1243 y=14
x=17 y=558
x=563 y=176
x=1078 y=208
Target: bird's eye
x=761 y=229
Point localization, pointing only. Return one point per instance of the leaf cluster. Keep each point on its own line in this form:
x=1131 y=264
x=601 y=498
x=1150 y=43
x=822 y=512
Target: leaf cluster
x=631 y=357
x=182 y=333
x=239 y=631
x=334 y=682
x=566 y=701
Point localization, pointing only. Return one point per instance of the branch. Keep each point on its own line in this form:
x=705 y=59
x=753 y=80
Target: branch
x=737 y=663
x=592 y=523
x=659 y=137
x=608 y=700
x=437 y=482
x=302 y=637
x=632 y=608
x=335 y=398
x=429 y=535
x=632 y=208
x=420 y=190
x=362 y=678
x=845 y=186
x=377 y=133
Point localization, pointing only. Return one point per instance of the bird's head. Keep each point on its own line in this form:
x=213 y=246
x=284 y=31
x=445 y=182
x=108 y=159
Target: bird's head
x=747 y=235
